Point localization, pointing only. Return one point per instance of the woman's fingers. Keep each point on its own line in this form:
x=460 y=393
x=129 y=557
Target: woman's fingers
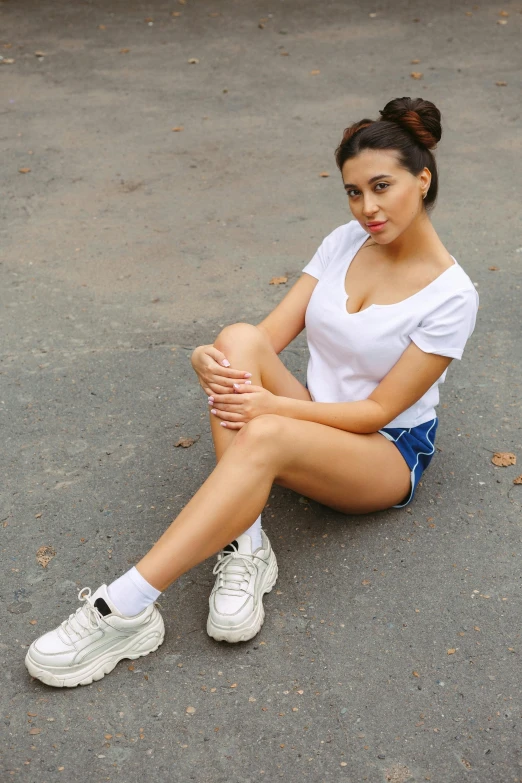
x=228 y=372
x=230 y=425
x=233 y=399
x=227 y=415
x=216 y=389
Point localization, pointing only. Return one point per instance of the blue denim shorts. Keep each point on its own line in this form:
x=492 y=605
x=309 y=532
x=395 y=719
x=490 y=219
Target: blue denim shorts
x=417 y=446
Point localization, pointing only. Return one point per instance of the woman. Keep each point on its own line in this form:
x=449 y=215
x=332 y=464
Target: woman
x=386 y=309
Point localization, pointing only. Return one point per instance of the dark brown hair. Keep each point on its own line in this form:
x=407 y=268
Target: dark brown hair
x=409 y=125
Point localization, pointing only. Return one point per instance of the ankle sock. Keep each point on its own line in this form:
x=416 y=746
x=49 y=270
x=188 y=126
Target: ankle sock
x=254 y=531
x=131 y=593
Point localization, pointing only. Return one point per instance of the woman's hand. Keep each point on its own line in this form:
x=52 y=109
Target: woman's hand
x=238 y=408
x=214 y=372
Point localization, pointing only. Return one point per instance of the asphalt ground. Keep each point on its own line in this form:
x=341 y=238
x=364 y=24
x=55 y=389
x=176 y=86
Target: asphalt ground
x=391 y=648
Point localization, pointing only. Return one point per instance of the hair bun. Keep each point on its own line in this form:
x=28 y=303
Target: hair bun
x=419 y=117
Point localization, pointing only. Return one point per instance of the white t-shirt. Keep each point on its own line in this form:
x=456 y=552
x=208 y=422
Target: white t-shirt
x=350 y=353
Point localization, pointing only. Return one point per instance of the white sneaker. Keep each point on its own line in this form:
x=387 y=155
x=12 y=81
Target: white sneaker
x=243 y=577
x=90 y=643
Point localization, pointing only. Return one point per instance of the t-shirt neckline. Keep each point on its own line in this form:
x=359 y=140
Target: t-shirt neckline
x=394 y=304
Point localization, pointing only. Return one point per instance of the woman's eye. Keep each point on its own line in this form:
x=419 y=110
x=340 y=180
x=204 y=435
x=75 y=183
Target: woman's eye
x=386 y=185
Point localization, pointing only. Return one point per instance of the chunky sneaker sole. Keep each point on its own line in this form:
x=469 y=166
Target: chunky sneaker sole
x=252 y=625
x=61 y=674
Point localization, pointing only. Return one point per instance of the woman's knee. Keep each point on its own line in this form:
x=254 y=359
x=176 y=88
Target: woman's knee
x=266 y=430
x=239 y=335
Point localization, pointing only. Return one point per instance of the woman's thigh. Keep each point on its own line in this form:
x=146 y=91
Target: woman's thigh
x=242 y=342
x=350 y=472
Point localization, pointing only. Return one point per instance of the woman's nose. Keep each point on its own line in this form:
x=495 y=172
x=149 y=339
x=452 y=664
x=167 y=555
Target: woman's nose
x=369 y=208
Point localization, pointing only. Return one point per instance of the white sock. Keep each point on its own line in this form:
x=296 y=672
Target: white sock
x=254 y=531
x=131 y=593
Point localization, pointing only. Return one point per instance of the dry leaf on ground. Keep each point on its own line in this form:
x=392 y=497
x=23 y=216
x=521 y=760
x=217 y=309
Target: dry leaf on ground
x=124 y=51
x=24 y=171
x=503 y=458
x=452 y=651
x=193 y=61
x=366 y=582
x=185 y=442
x=493 y=268
x=44 y=555
x=314 y=73
x=324 y=174
x=416 y=75
x=501 y=84
x=190 y=710
x=178 y=128
x=278 y=280
x=518 y=479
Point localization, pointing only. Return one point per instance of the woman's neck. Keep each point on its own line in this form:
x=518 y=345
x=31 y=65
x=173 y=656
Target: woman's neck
x=418 y=241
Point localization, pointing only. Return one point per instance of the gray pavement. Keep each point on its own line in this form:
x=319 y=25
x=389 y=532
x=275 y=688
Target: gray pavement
x=128 y=244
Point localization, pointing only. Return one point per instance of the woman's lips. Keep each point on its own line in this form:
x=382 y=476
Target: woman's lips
x=376 y=226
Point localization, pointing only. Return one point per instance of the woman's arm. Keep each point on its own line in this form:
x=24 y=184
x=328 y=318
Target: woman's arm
x=408 y=380
x=364 y=416
x=287 y=320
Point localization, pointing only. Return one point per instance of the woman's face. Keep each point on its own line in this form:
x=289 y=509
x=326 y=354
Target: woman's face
x=381 y=191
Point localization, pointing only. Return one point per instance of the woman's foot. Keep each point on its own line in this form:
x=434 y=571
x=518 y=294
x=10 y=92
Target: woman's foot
x=243 y=577
x=90 y=643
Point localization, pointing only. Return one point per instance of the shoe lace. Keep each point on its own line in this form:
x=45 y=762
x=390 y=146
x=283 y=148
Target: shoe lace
x=234 y=568
x=85 y=619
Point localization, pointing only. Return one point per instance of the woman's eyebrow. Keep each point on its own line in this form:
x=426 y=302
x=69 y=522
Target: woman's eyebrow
x=373 y=179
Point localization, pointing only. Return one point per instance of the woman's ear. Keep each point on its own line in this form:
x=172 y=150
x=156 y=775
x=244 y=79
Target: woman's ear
x=425 y=179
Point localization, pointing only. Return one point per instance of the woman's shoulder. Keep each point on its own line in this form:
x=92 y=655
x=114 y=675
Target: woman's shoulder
x=346 y=235
x=462 y=282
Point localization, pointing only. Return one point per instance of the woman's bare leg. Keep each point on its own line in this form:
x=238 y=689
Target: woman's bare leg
x=247 y=348
x=349 y=472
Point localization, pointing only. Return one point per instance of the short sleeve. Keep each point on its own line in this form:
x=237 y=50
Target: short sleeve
x=327 y=249
x=447 y=328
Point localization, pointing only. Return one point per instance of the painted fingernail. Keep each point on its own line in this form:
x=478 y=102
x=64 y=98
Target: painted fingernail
x=211 y=402
x=223 y=423
x=248 y=375
x=225 y=363
x=213 y=410
x=250 y=382
x=236 y=386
